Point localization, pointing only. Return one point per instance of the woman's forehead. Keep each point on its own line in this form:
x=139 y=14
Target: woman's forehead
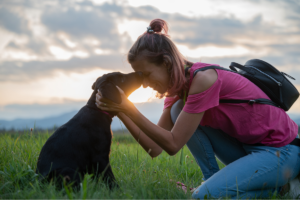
x=140 y=65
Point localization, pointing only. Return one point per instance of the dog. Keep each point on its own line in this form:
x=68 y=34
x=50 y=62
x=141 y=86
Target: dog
x=82 y=145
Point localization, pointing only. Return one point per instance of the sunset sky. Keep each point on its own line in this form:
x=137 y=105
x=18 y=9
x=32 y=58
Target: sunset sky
x=52 y=51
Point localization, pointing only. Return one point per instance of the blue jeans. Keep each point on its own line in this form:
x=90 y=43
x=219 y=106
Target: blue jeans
x=251 y=171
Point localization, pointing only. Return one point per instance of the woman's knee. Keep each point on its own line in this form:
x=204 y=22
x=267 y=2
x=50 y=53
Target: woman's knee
x=199 y=140
x=204 y=193
x=199 y=194
x=176 y=109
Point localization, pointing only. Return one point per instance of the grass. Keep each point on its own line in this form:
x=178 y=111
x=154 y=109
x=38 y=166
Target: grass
x=139 y=176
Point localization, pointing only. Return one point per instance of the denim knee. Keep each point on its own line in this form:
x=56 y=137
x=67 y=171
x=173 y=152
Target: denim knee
x=176 y=109
x=203 y=193
x=197 y=195
x=202 y=150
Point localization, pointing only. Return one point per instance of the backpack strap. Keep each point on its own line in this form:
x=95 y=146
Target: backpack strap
x=260 y=101
x=296 y=142
x=212 y=67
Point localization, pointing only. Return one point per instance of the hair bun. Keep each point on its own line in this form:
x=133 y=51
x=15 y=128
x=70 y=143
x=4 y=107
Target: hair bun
x=159 y=26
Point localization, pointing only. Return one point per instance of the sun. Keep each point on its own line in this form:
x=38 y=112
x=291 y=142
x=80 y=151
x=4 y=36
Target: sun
x=142 y=95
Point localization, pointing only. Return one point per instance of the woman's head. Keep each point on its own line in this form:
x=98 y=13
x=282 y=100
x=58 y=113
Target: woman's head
x=159 y=59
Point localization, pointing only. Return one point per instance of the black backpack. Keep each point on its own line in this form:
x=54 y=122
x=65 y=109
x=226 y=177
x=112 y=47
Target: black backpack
x=274 y=83
x=279 y=89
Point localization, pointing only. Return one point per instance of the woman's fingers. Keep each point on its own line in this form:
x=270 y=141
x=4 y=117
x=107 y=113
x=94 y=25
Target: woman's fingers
x=98 y=95
x=121 y=91
x=108 y=107
x=102 y=99
x=106 y=104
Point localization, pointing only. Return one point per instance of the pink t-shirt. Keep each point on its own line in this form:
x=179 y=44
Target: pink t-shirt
x=250 y=124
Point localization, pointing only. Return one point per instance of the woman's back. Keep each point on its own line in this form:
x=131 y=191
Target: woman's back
x=250 y=124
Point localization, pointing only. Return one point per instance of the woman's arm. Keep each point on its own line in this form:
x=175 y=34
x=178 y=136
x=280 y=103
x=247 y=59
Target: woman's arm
x=170 y=141
x=186 y=124
x=148 y=144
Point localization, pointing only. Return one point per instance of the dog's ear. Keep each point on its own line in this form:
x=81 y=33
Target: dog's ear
x=111 y=92
x=93 y=86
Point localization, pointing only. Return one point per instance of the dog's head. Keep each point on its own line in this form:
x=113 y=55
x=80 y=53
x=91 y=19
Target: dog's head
x=127 y=82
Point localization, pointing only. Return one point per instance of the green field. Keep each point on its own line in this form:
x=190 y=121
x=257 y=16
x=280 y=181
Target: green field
x=138 y=175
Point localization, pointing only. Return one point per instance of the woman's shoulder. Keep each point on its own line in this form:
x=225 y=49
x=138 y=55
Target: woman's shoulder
x=199 y=65
x=202 y=81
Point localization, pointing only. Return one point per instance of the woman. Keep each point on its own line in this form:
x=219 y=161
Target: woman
x=208 y=128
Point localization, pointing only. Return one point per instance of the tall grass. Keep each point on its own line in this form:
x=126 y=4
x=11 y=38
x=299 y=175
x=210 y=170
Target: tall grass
x=138 y=175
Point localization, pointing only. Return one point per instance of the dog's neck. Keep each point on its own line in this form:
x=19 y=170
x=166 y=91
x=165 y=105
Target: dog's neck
x=106 y=113
x=92 y=104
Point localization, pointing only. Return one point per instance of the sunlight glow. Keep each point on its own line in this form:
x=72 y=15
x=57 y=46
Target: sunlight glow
x=142 y=95
x=73 y=86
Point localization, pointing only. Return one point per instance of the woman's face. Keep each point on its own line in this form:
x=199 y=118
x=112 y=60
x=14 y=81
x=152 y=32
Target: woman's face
x=155 y=76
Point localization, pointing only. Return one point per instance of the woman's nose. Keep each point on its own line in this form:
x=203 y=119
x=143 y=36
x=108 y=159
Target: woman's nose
x=145 y=82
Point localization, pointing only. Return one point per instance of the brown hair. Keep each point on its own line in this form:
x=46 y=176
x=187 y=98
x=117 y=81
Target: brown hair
x=156 y=47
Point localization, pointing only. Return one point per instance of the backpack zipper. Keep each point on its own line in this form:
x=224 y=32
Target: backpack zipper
x=278 y=83
x=287 y=75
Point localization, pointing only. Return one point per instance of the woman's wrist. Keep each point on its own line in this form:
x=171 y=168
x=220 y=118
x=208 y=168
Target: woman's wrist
x=132 y=112
x=127 y=107
x=120 y=114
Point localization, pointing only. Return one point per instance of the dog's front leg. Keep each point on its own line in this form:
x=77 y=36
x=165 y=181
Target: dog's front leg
x=109 y=178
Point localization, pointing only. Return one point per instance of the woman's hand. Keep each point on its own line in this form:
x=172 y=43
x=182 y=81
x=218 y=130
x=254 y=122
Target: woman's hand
x=107 y=105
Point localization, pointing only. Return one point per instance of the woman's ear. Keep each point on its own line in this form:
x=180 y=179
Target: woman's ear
x=167 y=62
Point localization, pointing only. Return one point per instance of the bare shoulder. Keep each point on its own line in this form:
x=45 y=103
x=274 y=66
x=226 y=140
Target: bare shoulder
x=203 y=80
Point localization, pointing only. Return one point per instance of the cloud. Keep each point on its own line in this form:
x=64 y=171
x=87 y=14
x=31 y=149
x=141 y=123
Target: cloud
x=39 y=69
x=288 y=65
x=13 y=21
x=83 y=22
x=79 y=31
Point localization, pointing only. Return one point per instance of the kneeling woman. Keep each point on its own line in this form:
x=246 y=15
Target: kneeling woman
x=208 y=128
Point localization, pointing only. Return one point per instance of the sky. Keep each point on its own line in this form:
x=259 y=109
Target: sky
x=52 y=51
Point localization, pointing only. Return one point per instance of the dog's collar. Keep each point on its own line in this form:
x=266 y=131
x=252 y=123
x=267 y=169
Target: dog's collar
x=106 y=113
x=95 y=108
